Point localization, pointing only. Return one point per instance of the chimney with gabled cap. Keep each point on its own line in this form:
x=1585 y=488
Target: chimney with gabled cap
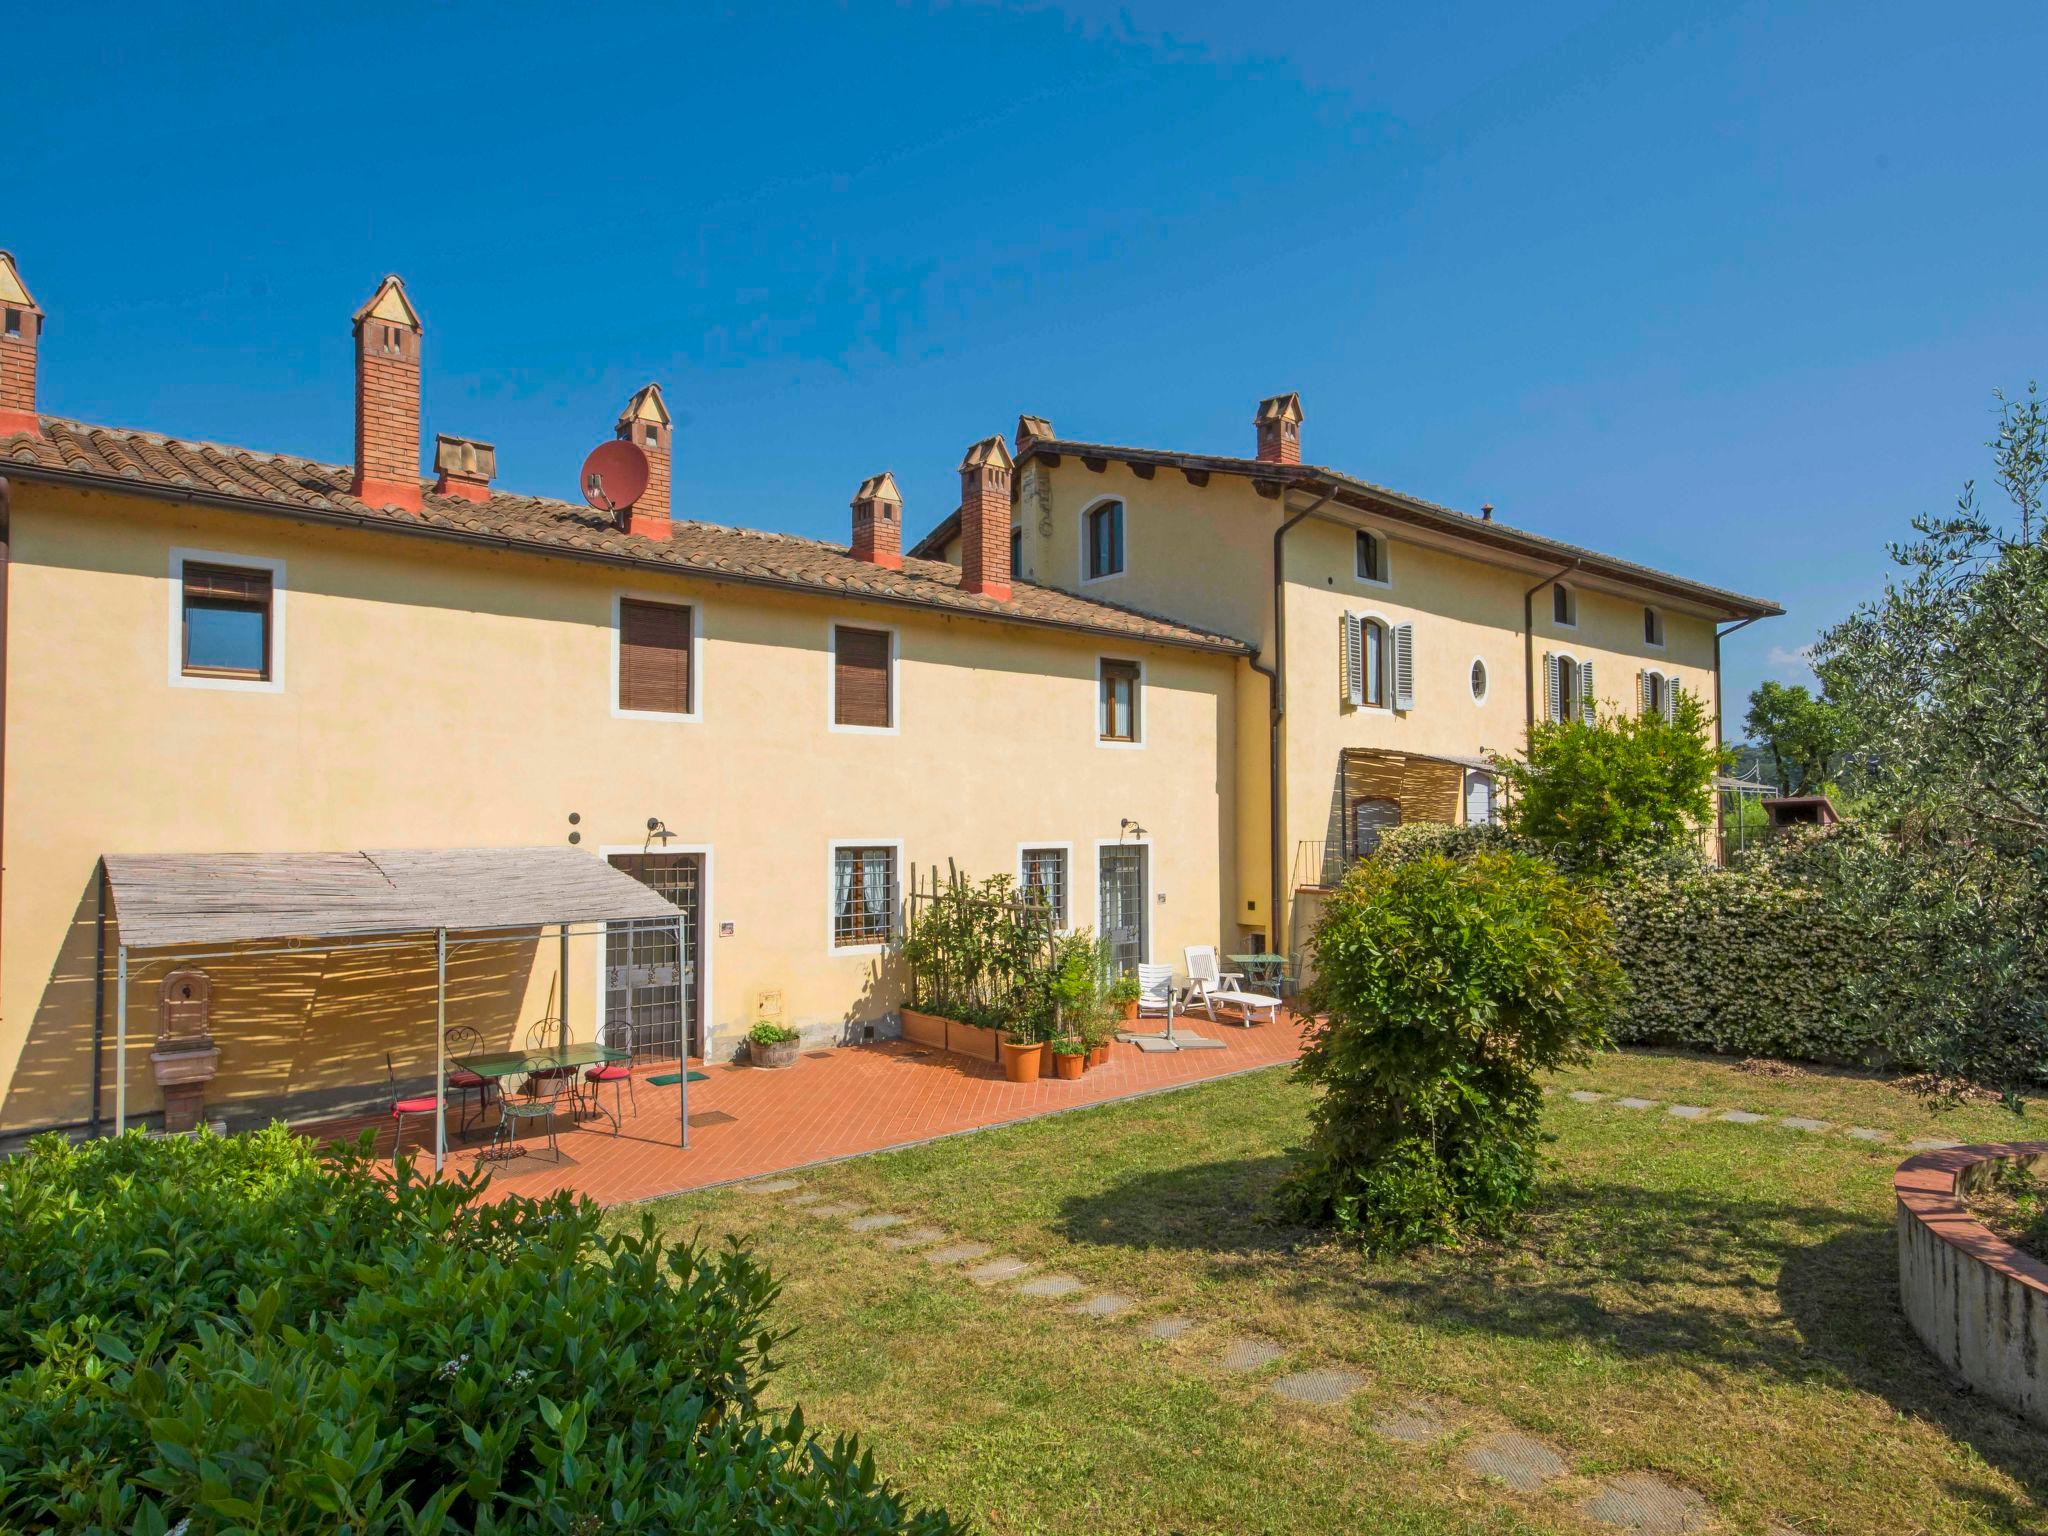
x=878 y=522
x=645 y=421
x=465 y=467
x=21 y=327
x=388 y=400
x=1032 y=429
x=985 y=519
x=1279 y=424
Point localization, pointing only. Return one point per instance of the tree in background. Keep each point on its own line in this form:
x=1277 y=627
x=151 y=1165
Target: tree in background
x=1804 y=735
x=1592 y=793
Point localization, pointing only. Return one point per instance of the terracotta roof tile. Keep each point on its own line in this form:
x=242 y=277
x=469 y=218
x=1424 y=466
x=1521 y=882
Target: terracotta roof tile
x=244 y=477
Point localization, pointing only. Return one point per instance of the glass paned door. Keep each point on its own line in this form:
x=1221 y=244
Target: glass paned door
x=651 y=987
x=1122 y=905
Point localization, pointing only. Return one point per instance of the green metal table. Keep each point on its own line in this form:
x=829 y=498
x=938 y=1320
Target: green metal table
x=576 y=1055
x=1265 y=968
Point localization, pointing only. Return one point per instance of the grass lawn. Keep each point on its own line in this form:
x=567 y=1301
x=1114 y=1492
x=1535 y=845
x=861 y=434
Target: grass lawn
x=1712 y=1303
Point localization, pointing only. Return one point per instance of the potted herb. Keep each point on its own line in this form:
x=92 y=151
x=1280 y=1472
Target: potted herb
x=772 y=1045
x=1123 y=993
x=1069 y=1057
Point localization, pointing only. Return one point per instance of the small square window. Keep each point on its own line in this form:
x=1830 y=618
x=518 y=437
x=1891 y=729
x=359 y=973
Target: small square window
x=1564 y=606
x=227 y=615
x=863 y=896
x=1653 y=627
x=1372 y=557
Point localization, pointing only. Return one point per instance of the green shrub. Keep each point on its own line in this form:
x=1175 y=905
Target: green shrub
x=768 y=1032
x=233 y=1334
x=1445 y=987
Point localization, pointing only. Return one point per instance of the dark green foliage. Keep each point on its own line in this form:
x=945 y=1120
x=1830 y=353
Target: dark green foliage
x=982 y=953
x=1446 y=987
x=237 y=1334
x=1593 y=794
x=1803 y=736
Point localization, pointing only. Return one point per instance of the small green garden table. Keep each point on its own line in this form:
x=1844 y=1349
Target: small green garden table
x=575 y=1055
x=1264 y=969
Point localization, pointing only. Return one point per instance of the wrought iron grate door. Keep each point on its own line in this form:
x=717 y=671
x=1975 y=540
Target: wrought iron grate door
x=1122 y=905
x=650 y=987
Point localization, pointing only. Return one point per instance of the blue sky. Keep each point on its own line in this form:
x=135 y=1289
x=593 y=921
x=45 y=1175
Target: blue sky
x=1723 y=289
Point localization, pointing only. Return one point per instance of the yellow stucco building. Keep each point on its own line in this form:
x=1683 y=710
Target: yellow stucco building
x=1175 y=687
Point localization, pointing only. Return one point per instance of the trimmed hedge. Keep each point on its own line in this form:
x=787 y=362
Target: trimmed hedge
x=241 y=1334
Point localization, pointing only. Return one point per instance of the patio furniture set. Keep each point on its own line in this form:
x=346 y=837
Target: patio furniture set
x=1208 y=987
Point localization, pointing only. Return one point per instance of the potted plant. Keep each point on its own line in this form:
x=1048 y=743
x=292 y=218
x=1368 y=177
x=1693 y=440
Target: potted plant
x=1022 y=1058
x=772 y=1045
x=1069 y=1056
x=1123 y=992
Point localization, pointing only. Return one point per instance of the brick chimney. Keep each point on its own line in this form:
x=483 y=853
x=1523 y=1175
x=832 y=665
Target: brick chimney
x=21 y=327
x=645 y=421
x=985 y=519
x=1032 y=429
x=465 y=467
x=388 y=400
x=1279 y=424
x=878 y=522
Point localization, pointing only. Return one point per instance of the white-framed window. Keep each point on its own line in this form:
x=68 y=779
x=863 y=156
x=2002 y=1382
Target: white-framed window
x=657 y=671
x=226 y=621
x=1044 y=874
x=1564 y=607
x=1102 y=540
x=1653 y=627
x=1659 y=694
x=864 y=897
x=1119 y=702
x=1568 y=684
x=1377 y=662
x=863 y=693
x=1371 y=559
x=1478 y=679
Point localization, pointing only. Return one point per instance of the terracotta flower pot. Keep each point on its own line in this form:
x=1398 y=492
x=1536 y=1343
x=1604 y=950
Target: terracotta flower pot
x=1098 y=1056
x=1021 y=1062
x=1069 y=1066
x=1131 y=1011
x=1045 y=1067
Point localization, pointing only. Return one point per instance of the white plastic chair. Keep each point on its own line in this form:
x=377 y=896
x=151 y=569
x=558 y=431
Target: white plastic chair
x=1209 y=984
x=1155 y=990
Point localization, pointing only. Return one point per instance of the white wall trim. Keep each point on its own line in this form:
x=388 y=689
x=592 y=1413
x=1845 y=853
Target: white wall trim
x=695 y=714
x=897 y=914
x=1050 y=843
x=1150 y=925
x=1081 y=530
x=176 y=656
x=895 y=725
x=707 y=932
x=1139 y=707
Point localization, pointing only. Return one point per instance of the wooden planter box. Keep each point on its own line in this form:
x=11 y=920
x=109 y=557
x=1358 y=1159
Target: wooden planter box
x=944 y=1034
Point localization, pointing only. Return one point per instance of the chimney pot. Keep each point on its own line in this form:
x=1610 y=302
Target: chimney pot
x=1279 y=429
x=646 y=421
x=465 y=466
x=1032 y=429
x=985 y=519
x=388 y=400
x=1486 y=511
x=21 y=329
x=878 y=522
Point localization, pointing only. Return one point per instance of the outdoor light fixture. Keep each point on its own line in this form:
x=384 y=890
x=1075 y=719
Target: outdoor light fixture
x=656 y=827
x=1128 y=828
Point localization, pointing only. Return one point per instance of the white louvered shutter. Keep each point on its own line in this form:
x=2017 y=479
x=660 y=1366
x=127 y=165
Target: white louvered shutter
x=1671 y=699
x=1644 y=702
x=1554 y=707
x=1404 y=666
x=1586 y=691
x=1351 y=663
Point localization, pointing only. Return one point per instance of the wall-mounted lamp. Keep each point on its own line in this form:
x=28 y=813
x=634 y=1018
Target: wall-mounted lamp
x=656 y=828
x=1128 y=828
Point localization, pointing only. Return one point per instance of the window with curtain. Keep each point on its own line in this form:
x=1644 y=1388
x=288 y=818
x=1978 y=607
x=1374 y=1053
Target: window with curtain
x=1044 y=880
x=863 y=896
x=1106 y=540
x=1119 y=701
x=226 y=621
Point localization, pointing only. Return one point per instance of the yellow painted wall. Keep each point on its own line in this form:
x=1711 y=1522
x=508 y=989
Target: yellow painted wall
x=435 y=696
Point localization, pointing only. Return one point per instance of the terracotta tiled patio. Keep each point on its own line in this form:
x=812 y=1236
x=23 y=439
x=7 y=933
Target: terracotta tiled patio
x=747 y=1121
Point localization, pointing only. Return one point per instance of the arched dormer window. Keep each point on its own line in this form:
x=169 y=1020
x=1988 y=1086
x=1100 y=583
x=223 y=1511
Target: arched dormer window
x=1103 y=529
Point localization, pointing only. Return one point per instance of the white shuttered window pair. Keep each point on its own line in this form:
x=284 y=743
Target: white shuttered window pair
x=1568 y=688
x=1659 y=694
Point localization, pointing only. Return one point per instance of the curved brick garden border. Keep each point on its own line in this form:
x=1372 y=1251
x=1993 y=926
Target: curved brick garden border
x=1978 y=1302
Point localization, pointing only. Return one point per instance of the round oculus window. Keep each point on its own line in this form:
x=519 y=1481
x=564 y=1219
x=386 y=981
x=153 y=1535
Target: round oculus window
x=1478 y=681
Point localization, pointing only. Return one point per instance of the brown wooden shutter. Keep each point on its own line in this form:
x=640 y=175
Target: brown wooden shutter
x=860 y=677
x=226 y=583
x=654 y=657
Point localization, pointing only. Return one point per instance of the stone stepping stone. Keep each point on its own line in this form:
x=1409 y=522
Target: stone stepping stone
x=1586 y=1096
x=1688 y=1111
x=1415 y=1422
x=807 y=1199
x=1108 y=1304
x=1322 y=1387
x=916 y=1237
x=1638 y=1501
x=1523 y=1464
x=957 y=1253
x=1636 y=1103
x=1865 y=1133
x=835 y=1210
x=875 y=1221
x=1742 y=1117
x=1049 y=1285
x=1931 y=1144
x=1004 y=1268
x=1249 y=1354
x=1801 y=1123
x=1168 y=1327
x=768 y=1186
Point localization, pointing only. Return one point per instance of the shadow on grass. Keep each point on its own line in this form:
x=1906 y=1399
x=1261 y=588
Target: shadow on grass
x=1727 y=1285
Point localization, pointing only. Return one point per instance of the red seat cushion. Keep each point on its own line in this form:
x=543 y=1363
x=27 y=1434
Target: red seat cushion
x=465 y=1080
x=610 y=1074
x=420 y=1106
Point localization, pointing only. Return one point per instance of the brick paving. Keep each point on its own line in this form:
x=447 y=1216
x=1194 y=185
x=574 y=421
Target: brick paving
x=749 y=1121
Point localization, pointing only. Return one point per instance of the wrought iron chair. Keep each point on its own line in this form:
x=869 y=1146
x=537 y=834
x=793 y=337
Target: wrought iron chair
x=616 y=1035
x=405 y=1107
x=545 y=1090
x=465 y=1042
x=545 y=1036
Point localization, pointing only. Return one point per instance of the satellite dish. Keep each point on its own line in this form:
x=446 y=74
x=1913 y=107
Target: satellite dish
x=615 y=475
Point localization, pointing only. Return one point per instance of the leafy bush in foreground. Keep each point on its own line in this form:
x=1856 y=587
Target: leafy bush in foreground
x=239 y=1334
x=1445 y=987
